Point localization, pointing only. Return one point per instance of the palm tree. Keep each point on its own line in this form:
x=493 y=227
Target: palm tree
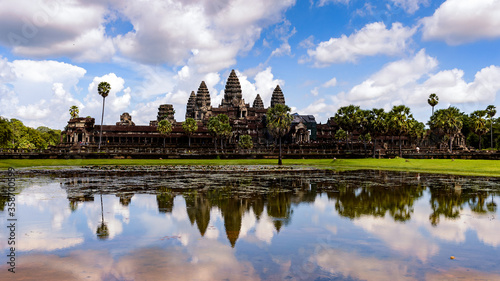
x=279 y=121
x=433 y=100
x=348 y=118
x=491 y=110
x=399 y=118
x=74 y=111
x=479 y=124
x=449 y=121
x=189 y=126
x=102 y=229
x=103 y=90
x=377 y=125
x=165 y=128
x=213 y=127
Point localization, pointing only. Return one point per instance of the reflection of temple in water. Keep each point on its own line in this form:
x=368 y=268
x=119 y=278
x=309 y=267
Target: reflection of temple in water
x=352 y=195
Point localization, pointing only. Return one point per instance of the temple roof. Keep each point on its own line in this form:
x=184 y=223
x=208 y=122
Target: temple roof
x=232 y=92
x=203 y=96
x=257 y=103
x=277 y=97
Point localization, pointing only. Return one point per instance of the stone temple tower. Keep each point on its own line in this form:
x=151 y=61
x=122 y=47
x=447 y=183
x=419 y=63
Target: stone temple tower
x=202 y=104
x=277 y=97
x=232 y=93
x=257 y=103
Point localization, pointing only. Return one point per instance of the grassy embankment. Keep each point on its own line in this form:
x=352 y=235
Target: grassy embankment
x=443 y=166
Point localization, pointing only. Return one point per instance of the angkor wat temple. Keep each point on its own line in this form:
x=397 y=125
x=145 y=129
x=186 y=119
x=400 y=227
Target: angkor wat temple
x=245 y=119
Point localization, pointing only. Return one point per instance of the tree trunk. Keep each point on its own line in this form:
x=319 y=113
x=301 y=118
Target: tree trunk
x=102 y=118
x=480 y=140
x=163 y=142
x=451 y=144
x=400 y=150
x=374 y=146
x=189 y=141
x=279 y=159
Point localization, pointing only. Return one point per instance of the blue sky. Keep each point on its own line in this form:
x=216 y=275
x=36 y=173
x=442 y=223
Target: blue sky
x=323 y=53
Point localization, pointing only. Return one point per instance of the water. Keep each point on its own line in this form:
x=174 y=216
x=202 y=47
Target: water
x=260 y=224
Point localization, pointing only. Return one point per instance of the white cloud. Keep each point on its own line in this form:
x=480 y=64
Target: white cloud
x=410 y=6
x=55 y=28
x=115 y=103
x=322 y=3
x=39 y=92
x=409 y=82
x=373 y=39
x=169 y=31
x=462 y=21
x=330 y=83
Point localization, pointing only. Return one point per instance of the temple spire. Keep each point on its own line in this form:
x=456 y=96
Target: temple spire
x=277 y=97
x=232 y=92
x=257 y=103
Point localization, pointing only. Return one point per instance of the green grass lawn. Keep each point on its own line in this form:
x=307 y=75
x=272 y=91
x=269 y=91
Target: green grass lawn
x=442 y=166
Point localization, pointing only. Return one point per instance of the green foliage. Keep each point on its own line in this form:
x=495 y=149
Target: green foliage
x=189 y=126
x=340 y=134
x=245 y=142
x=164 y=127
x=103 y=89
x=6 y=133
x=433 y=100
x=279 y=120
x=479 y=123
x=13 y=134
x=449 y=121
x=349 y=118
x=74 y=111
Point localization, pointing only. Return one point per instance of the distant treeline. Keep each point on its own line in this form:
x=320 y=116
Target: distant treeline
x=14 y=134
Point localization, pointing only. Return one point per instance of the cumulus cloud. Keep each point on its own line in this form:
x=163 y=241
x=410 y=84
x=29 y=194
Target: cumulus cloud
x=206 y=33
x=462 y=21
x=56 y=28
x=38 y=92
x=410 y=81
x=117 y=101
x=373 y=39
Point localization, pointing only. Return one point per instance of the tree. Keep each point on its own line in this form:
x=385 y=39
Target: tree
x=189 y=126
x=399 y=118
x=245 y=142
x=433 y=100
x=416 y=130
x=74 y=111
x=6 y=134
x=491 y=111
x=279 y=121
x=218 y=126
x=165 y=128
x=377 y=125
x=348 y=118
x=103 y=90
x=479 y=125
x=449 y=121
x=213 y=127
x=340 y=135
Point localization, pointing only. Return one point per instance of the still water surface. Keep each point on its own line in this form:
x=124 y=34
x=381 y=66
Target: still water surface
x=253 y=225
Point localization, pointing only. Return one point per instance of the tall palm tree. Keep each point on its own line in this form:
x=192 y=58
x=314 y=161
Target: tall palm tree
x=103 y=90
x=189 y=126
x=102 y=229
x=74 y=111
x=433 y=100
x=279 y=122
x=213 y=127
x=449 y=121
x=348 y=118
x=378 y=125
x=399 y=118
x=479 y=125
x=491 y=110
x=165 y=128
